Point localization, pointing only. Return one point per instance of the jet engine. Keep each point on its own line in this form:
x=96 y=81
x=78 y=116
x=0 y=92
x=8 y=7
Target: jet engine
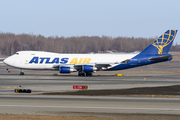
x=65 y=69
x=88 y=68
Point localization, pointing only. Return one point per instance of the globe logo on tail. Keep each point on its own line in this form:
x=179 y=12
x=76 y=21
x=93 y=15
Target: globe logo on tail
x=164 y=40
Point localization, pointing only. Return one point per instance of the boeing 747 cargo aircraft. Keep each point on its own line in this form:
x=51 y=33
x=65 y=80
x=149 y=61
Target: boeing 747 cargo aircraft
x=86 y=64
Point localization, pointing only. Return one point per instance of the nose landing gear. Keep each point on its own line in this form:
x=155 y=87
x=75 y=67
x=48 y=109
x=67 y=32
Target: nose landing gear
x=21 y=73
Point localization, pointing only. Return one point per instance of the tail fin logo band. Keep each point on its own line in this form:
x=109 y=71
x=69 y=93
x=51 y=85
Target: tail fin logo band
x=164 y=40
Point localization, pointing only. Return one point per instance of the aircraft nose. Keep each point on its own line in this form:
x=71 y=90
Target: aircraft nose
x=10 y=61
x=6 y=61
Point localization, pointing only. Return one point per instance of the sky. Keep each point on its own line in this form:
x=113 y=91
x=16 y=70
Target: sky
x=126 y=18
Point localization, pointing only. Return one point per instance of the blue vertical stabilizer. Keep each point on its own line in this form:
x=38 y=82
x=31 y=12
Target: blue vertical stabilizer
x=160 y=46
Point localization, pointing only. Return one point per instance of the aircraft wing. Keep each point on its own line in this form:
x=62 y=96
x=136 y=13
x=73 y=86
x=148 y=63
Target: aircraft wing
x=79 y=66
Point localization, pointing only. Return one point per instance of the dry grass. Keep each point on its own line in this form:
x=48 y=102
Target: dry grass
x=38 y=117
x=114 y=117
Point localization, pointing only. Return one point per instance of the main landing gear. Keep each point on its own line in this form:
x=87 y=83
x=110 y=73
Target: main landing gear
x=85 y=73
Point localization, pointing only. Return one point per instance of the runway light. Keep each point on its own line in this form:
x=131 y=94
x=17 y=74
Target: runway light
x=144 y=78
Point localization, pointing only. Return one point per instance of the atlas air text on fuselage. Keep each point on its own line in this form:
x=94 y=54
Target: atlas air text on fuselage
x=48 y=60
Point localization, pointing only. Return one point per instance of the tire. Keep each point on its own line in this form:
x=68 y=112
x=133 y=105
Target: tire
x=24 y=91
x=28 y=91
x=79 y=74
x=20 y=90
x=83 y=74
x=89 y=74
x=21 y=73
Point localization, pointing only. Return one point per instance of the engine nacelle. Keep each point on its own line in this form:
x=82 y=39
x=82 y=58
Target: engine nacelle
x=65 y=69
x=88 y=68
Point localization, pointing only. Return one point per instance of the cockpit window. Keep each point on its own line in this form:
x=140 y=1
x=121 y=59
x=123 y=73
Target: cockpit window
x=16 y=53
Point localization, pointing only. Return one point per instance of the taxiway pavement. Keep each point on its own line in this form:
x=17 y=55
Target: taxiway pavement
x=45 y=81
x=52 y=105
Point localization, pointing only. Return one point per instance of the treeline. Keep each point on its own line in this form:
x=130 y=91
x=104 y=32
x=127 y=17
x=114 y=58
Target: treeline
x=11 y=43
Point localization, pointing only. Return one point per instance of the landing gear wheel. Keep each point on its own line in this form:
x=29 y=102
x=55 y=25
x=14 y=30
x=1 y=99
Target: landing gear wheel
x=88 y=74
x=79 y=74
x=83 y=74
x=21 y=73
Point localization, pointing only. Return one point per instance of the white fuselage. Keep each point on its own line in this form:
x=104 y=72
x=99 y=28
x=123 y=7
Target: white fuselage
x=47 y=60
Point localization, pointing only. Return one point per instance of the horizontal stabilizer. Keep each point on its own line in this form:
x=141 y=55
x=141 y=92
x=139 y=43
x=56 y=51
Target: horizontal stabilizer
x=161 y=57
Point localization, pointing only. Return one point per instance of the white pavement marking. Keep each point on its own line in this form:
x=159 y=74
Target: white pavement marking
x=120 y=108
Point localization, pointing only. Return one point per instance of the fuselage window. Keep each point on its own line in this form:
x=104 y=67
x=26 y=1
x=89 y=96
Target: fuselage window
x=16 y=53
